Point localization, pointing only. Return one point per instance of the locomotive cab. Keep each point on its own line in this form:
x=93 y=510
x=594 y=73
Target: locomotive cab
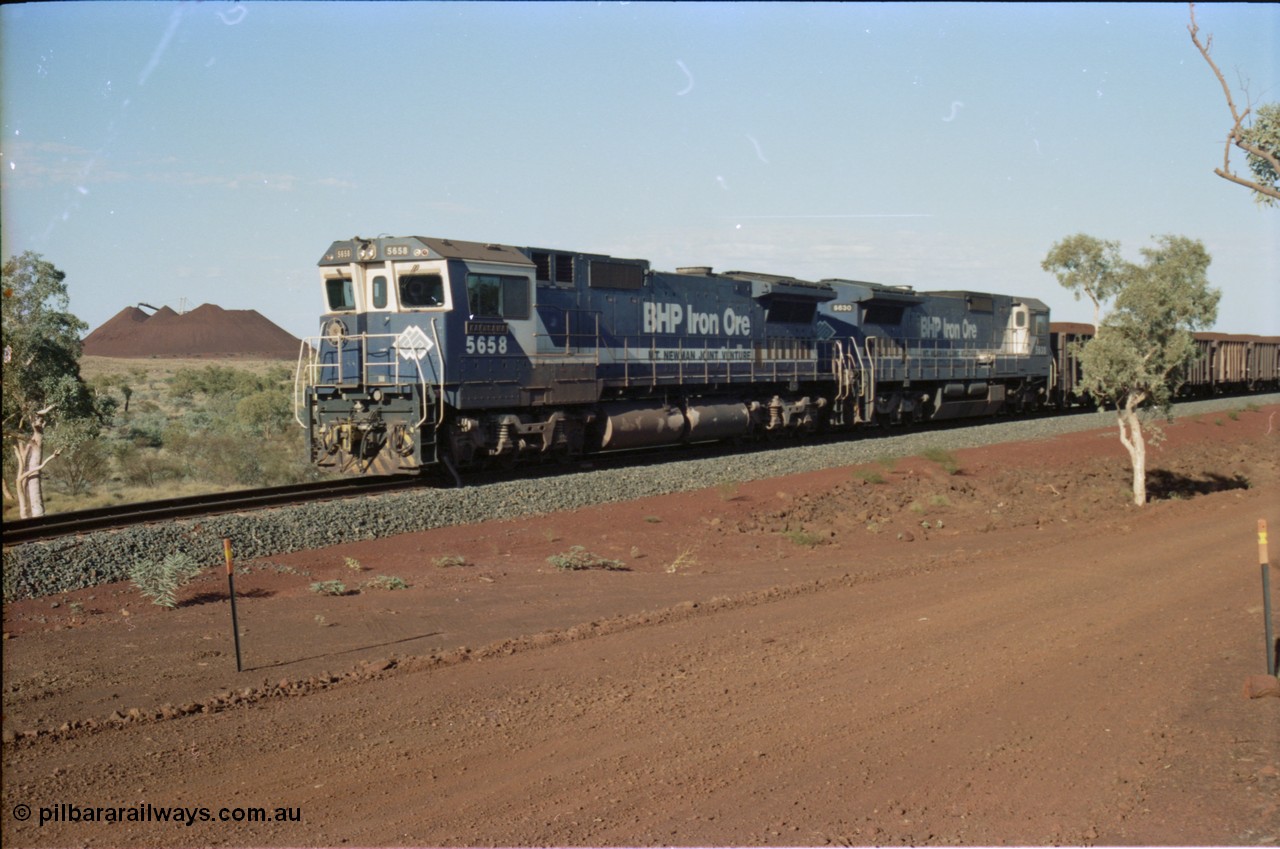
x=372 y=387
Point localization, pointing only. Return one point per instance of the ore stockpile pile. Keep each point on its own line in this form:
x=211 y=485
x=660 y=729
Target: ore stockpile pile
x=70 y=563
x=208 y=330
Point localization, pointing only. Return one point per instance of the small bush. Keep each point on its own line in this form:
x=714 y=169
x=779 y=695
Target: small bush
x=803 y=538
x=160 y=580
x=80 y=468
x=943 y=458
x=384 y=582
x=577 y=559
x=353 y=564
x=869 y=476
x=686 y=559
x=449 y=561
x=329 y=588
x=145 y=467
x=653 y=520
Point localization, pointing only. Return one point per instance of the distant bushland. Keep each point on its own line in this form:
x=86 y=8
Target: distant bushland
x=182 y=427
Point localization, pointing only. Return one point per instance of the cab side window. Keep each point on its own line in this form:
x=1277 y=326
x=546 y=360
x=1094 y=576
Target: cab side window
x=497 y=296
x=421 y=290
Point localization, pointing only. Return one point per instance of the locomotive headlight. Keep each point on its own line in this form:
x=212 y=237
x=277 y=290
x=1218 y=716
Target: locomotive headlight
x=335 y=327
x=377 y=395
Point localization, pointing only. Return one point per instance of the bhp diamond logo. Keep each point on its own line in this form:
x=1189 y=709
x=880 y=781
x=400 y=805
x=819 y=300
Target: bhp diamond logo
x=413 y=344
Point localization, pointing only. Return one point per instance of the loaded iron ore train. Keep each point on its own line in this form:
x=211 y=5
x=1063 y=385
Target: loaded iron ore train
x=451 y=352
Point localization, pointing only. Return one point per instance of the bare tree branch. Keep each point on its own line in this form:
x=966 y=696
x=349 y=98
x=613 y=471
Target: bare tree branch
x=1235 y=136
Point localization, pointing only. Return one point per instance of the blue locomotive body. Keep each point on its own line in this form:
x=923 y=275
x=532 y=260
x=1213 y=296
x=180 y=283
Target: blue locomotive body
x=434 y=350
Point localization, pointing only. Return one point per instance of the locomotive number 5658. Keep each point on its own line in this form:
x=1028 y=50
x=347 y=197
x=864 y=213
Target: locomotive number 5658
x=486 y=344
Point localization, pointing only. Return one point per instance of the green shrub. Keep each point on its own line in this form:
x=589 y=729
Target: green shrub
x=145 y=466
x=728 y=490
x=450 y=560
x=329 y=588
x=267 y=413
x=803 y=538
x=385 y=582
x=943 y=458
x=80 y=468
x=160 y=580
x=577 y=558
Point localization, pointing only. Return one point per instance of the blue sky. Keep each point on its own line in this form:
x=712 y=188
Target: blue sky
x=211 y=151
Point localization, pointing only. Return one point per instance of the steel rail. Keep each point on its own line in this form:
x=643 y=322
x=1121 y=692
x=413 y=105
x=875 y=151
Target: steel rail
x=82 y=521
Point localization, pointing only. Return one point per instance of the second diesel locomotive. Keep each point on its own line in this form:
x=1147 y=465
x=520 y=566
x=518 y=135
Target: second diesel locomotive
x=444 y=351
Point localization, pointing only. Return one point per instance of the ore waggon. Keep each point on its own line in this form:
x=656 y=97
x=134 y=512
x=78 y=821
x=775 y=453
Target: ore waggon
x=444 y=351
x=1225 y=364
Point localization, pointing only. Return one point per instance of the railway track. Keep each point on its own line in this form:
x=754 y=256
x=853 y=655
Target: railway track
x=104 y=518
x=77 y=522
x=70 y=523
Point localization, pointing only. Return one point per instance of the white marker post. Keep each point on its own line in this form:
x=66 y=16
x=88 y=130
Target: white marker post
x=1266 y=595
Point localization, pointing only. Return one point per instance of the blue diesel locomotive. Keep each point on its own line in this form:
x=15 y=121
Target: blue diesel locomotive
x=443 y=351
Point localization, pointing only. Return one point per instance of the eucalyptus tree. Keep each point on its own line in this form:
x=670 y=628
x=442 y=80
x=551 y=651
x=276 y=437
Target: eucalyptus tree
x=1088 y=266
x=42 y=385
x=1145 y=343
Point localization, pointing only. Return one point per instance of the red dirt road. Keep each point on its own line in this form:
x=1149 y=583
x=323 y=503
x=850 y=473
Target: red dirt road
x=1010 y=654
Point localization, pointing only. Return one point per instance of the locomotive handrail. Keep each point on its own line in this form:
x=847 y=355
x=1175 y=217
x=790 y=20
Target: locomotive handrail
x=570 y=347
x=837 y=369
x=440 y=399
x=299 y=391
x=770 y=364
x=422 y=381
x=870 y=396
x=392 y=372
